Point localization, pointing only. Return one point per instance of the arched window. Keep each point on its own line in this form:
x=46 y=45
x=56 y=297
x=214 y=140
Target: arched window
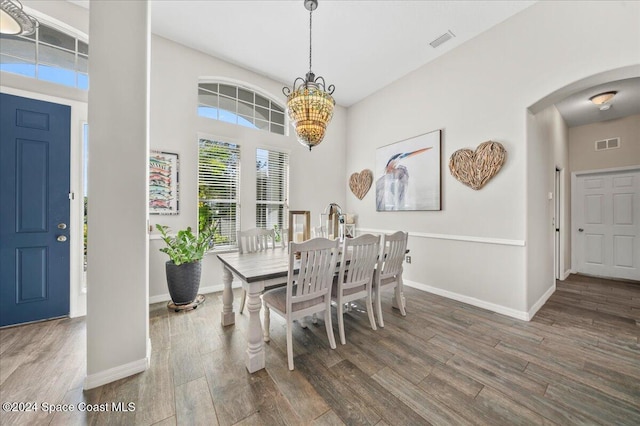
x=48 y=54
x=240 y=105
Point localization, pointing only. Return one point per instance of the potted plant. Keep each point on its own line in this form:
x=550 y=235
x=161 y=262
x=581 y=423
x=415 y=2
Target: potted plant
x=184 y=266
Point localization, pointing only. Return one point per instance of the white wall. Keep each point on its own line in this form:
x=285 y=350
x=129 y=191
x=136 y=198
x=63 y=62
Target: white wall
x=547 y=149
x=118 y=246
x=316 y=178
x=481 y=91
x=67 y=13
x=582 y=144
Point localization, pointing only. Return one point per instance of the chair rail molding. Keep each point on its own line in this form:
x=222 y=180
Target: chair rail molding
x=453 y=237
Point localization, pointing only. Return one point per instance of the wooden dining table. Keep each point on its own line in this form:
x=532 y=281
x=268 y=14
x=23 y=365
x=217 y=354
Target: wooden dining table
x=257 y=271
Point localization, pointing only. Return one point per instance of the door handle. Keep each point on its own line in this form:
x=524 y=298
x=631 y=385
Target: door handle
x=62 y=226
x=61 y=238
x=580 y=229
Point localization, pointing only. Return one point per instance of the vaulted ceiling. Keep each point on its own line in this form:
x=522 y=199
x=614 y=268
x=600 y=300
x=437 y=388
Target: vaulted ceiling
x=358 y=46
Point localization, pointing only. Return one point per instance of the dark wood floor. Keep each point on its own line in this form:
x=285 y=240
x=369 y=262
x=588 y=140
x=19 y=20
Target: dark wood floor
x=576 y=362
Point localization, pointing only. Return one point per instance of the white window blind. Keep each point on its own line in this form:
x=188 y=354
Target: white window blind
x=272 y=188
x=218 y=189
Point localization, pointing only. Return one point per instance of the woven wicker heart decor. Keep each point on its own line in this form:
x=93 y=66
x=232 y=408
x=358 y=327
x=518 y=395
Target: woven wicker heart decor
x=360 y=183
x=476 y=168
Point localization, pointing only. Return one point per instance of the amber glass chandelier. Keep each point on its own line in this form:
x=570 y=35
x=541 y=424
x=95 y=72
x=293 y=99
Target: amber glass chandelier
x=309 y=101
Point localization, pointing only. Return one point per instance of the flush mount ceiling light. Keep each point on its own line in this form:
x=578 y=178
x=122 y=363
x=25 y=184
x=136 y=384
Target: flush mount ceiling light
x=602 y=100
x=14 y=21
x=309 y=101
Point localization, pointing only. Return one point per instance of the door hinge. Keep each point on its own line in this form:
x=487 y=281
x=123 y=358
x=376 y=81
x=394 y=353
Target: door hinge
x=71 y=196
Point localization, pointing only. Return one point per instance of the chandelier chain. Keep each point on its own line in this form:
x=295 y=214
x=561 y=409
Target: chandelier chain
x=309 y=101
x=310 y=21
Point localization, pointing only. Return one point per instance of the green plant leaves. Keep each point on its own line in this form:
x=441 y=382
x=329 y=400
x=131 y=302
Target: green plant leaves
x=186 y=247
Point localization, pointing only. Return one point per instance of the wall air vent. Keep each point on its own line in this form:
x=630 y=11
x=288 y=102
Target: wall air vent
x=607 y=144
x=443 y=38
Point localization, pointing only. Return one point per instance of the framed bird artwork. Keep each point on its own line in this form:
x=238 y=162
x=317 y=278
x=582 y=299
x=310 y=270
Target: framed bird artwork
x=408 y=174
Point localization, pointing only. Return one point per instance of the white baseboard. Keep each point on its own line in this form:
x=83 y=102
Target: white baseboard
x=566 y=274
x=521 y=315
x=117 y=373
x=543 y=299
x=203 y=290
x=75 y=313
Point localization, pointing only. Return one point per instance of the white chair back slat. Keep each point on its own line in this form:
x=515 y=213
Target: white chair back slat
x=256 y=239
x=393 y=251
x=253 y=240
x=362 y=253
x=316 y=267
x=389 y=271
x=308 y=291
x=355 y=278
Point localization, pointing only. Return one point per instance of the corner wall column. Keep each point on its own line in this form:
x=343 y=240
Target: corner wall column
x=118 y=245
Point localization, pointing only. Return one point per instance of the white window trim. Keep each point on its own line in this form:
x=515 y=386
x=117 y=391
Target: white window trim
x=260 y=91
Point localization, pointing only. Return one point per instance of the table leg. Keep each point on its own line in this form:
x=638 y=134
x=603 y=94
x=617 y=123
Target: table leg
x=267 y=323
x=228 y=316
x=255 y=356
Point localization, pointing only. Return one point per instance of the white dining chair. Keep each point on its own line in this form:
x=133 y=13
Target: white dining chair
x=355 y=279
x=308 y=289
x=253 y=240
x=389 y=270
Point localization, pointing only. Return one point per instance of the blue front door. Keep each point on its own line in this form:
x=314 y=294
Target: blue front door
x=34 y=209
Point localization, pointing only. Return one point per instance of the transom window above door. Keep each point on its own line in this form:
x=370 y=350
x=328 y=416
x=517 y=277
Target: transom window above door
x=240 y=105
x=49 y=54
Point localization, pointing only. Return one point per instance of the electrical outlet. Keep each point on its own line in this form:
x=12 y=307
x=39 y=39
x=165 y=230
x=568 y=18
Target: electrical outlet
x=408 y=259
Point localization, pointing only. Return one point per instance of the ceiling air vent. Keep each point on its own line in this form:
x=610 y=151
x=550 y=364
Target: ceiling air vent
x=443 y=38
x=607 y=144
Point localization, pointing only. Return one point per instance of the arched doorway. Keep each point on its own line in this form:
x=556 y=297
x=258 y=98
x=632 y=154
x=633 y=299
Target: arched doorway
x=553 y=160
